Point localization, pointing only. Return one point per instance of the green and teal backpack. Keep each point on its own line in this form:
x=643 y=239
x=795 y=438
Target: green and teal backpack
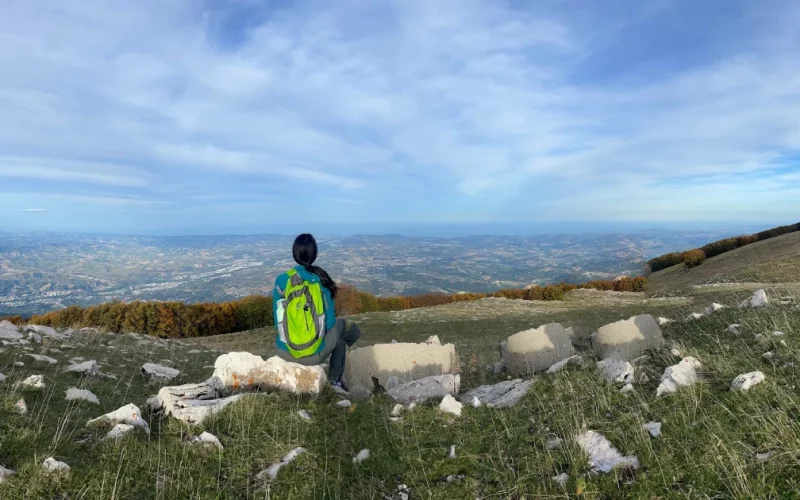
x=301 y=316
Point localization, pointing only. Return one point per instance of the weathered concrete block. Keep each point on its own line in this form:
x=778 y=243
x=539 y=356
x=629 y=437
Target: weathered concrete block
x=537 y=349
x=628 y=338
x=405 y=361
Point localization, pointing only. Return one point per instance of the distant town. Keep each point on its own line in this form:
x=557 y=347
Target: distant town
x=42 y=272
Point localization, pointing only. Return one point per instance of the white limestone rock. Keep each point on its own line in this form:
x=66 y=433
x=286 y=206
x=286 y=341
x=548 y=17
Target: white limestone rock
x=272 y=471
x=537 y=349
x=452 y=453
x=119 y=431
x=654 y=428
x=421 y=390
x=19 y=364
x=398 y=410
x=191 y=403
x=206 y=438
x=628 y=339
x=87 y=368
x=304 y=415
x=678 y=375
x=34 y=382
x=561 y=479
x=572 y=360
x=603 y=457
x=9 y=331
x=662 y=321
x=4 y=473
x=34 y=337
x=747 y=380
x=21 y=407
x=73 y=393
x=433 y=340
x=778 y=334
x=695 y=316
x=616 y=371
x=2 y=378
x=734 y=328
x=129 y=414
x=627 y=388
x=52 y=465
x=714 y=307
x=450 y=405
x=345 y=403
x=759 y=299
x=242 y=371
x=500 y=395
x=159 y=373
x=43 y=359
x=362 y=455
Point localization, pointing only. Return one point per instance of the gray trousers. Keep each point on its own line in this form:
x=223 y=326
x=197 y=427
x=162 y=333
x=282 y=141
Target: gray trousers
x=337 y=340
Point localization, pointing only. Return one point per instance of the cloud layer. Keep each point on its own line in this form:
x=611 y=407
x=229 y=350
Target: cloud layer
x=163 y=115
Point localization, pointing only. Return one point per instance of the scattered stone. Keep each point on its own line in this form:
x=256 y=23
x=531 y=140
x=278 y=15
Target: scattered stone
x=769 y=355
x=695 y=316
x=747 y=380
x=206 y=438
x=452 y=453
x=119 y=430
x=304 y=415
x=759 y=299
x=51 y=465
x=19 y=364
x=9 y=331
x=681 y=374
x=628 y=339
x=20 y=407
x=626 y=389
x=778 y=334
x=761 y=457
x=553 y=443
x=421 y=390
x=452 y=478
x=402 y=493
x=129 y=414
x=537 y=349
x=574 y=360
x=159 y=373
x=87 y=368
x=603 y=457
x=398 y=410
x=663 y=321
x=714 y=307
x=676 y=352
x=476 y=403
x=450 y=405
x=46 y=331
x=362 y=455
x=2 y=378
x=242 y=371
x=407 y=362
x=34 y=337
x=434 y=340
x=345 y=403
x=734 y=328
x=561 y=479
x=4 y=472
x=74 y=393
x=43 y=359
x=34 y=382
x=616 y=371
x=654 y=428
x=500 y=395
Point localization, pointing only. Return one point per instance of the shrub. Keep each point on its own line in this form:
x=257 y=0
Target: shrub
x=15 y=319
x=694 y=258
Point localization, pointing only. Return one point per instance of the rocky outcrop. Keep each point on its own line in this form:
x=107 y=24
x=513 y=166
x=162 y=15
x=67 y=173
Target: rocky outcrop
x=747 y=380
x=501 y=395
x=236 y=374
x=9 y=331
x=628 y=339
x=371 y=365
x=537 y=349
x=419 y=391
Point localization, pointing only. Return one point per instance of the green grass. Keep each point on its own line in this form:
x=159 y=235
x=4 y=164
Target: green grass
x=776 y=260
x=707 y=449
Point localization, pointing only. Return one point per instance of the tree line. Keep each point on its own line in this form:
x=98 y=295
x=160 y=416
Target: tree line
x=174 y=319
x=696 y=256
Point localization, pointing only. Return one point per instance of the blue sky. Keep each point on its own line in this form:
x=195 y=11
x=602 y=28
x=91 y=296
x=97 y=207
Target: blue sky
x=194 y=116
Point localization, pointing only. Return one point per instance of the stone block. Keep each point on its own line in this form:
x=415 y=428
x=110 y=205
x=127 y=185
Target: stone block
x=628 y=339
x=537 y=349
x=405 y=361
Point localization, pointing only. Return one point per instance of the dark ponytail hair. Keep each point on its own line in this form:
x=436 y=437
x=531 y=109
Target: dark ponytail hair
x=304 y=252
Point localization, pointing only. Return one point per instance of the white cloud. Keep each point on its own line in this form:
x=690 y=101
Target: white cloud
x=34 y=210
x=470 y=102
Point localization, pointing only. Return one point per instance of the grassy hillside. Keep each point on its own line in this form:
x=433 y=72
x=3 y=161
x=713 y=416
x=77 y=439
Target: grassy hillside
x=708 y=447
x=776 y=260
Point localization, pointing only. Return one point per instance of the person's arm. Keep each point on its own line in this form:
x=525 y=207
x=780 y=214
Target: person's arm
x=277 y=294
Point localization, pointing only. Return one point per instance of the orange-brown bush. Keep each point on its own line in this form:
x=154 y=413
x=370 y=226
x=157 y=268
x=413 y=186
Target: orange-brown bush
x=694 y=258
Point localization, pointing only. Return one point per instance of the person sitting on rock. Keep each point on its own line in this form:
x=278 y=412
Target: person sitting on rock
x=305 y=316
